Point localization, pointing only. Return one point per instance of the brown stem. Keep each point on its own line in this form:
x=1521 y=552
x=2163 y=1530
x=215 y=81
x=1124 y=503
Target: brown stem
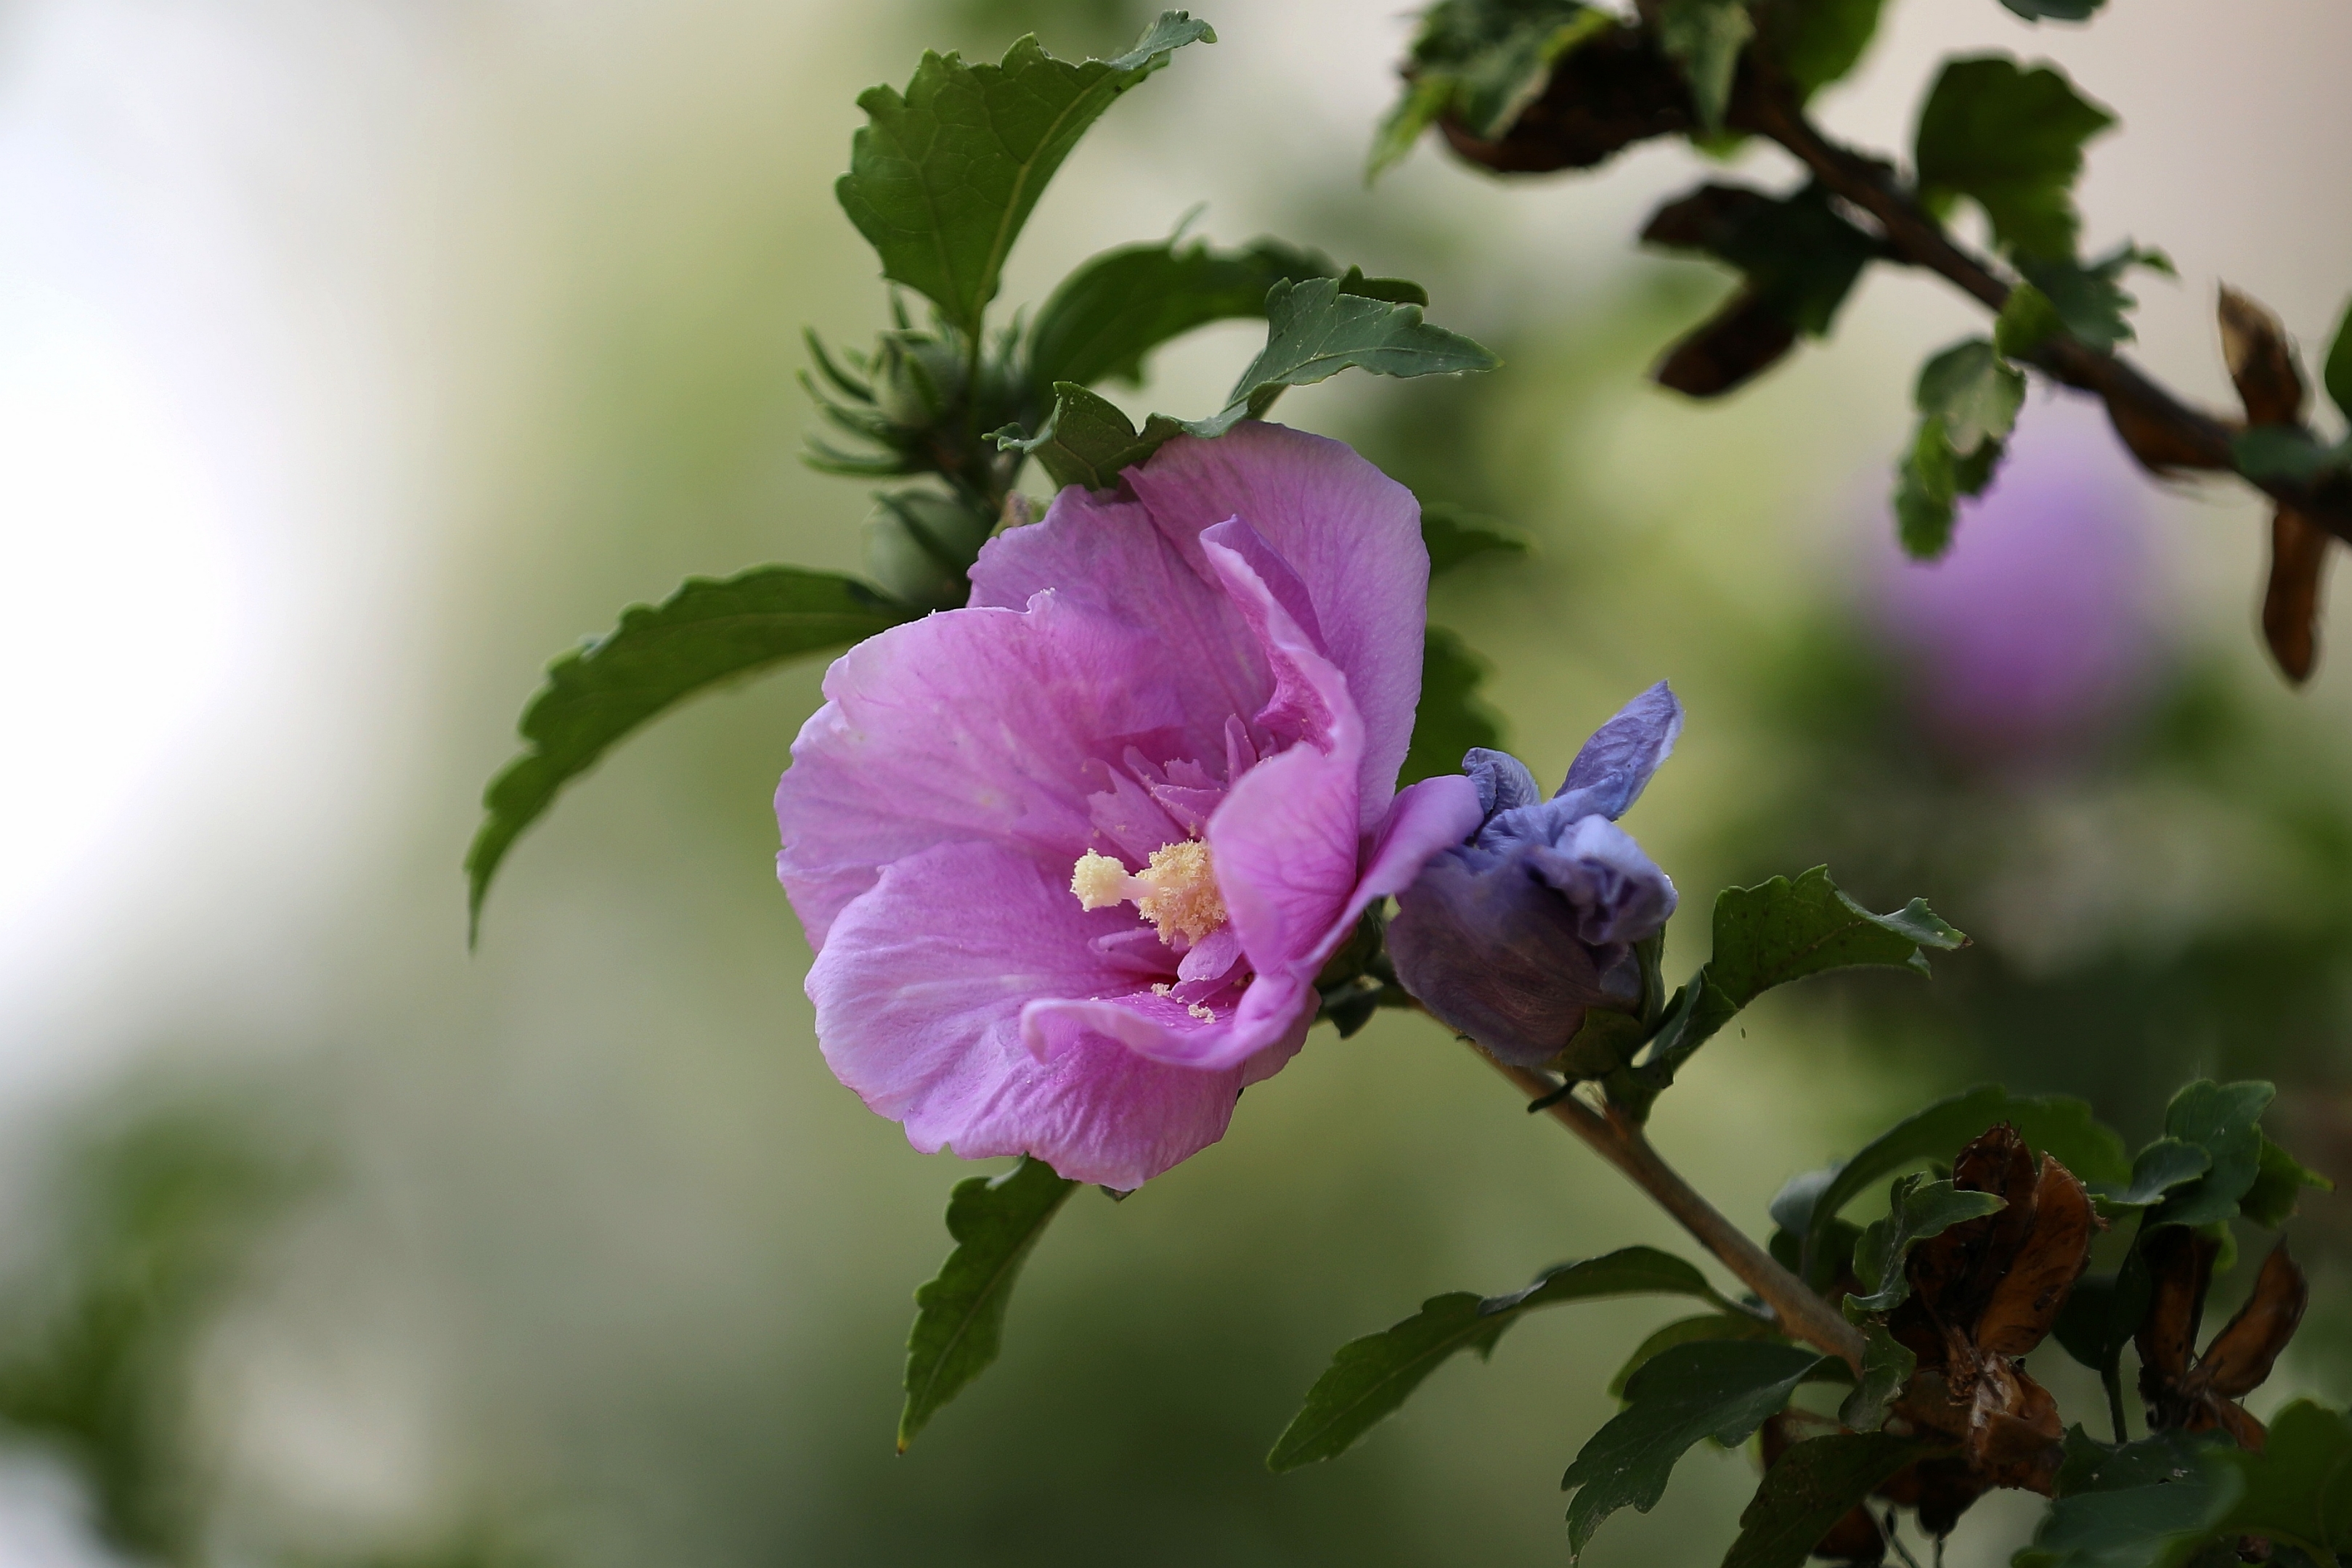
x=1618 y=1140
x=2160 y=430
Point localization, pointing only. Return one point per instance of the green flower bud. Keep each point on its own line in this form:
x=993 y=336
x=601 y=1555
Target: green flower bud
x=920 y=544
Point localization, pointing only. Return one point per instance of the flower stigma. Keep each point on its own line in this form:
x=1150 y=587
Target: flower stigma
x=1177 y=892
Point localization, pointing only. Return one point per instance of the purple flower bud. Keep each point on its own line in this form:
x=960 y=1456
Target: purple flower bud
x=1513 y=935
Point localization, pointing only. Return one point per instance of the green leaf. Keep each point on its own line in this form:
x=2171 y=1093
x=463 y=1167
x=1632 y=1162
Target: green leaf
x=1453 y=717
x=2298 y=1489
x=2337 y=372
x=710 y=630
x=1370 y=1377
x=2011 y=140
x=2164 y=1165
x=1456 y=536
x=2089 y=298
x=2158 y=1459
x=959 y=1315
x=1811 y=1487
x=2027 y=320
x=1817 y=42
x=1888 y=1365
x=2265 y=451
x=1482 y=61
x=2054 y=10
x=1087 y=440
x=1689 y=1331
x=1121 y=305
x=2139 y=1527
x=1723 y=1389
x=1781 y=931
x=941 y=178
x=1317 y=329
x=2056 y=1126
x=2225 y=1121
x=1917 y=1210
x=2278 y=1184
x=1968 y=396
x=1799 y=256
x=1704 y=37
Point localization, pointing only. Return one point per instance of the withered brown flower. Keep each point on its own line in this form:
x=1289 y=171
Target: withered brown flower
x=2201 y=1393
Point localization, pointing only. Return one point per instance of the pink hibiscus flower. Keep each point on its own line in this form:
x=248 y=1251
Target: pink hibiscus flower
x=1071 y=857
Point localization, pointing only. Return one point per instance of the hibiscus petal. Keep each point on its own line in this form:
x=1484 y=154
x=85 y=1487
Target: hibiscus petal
x=1610 y=772
x=1350 y=533
x=919 y=1010
x=975 y=725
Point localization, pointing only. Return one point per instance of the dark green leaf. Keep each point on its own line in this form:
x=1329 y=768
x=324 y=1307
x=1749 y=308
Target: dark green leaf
x=2225 y=1121
x=1689 y=1331
x=1482 y=61
x=2164 y=1165
x=2278 y=1185
x=2028 y=319
x=2298 y=1490
x=2140 y=1527
x=1816 y=41
x=1813 y=1487
x=1917 y=1210
x=2337 y=374
x=2091 y=1465
x=2056 y=1126
x=2104 y=1313
x=920 y=546
x=708 y=632
x=1887 y=1368
x=1704 y=37
x=941 y=178
x=1453 y=717
x=1969 y=397
x=2011 y=140
x=1799 y=257
x=1455 y=536
x=1086 y=440
x=1723 y=1389
x=1370 y=1377
x=2282 y=451
x=1315 y=330
x=959 y=1315
x=1781 y=931
x=2089 y=298
x=1121 y=305
x=2054 y=10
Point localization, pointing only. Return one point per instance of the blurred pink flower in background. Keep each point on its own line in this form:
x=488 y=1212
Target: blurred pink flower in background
x=2036 y=638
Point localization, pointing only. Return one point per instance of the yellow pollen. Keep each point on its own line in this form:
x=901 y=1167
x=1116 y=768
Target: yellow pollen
x=1177 y=892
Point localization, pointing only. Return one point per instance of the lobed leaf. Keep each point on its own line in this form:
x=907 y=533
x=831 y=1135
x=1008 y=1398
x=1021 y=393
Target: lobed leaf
x=942 y=177
x=1453 y=717
x=2089 y=297
x=1810 y=1489
x=2010 y=140
x=2164 y=1165
x=2279 y=1181
x=709 y=631
x=2225 y=1121
x=959 y=1315
x=1370 y=1378
x=1481 y=62
x=1723 y=1389
x=1118 y=307
x=1917 y=1210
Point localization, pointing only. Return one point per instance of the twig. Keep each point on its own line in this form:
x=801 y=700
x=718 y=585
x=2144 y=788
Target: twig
x=2161 y=431
x=1615 y=1138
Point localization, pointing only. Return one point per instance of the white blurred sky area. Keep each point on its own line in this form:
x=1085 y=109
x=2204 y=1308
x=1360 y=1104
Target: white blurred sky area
x=285 y=362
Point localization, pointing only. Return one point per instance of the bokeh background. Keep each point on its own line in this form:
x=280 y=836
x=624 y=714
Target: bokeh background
x=356 y=356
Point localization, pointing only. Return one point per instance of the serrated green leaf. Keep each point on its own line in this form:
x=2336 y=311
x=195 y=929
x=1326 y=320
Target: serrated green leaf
x=1704 y=37
x=1723 y=1389
x=959 y=1315
x=1316 y=329
x=1817 y=42
x=709 y=631
x=1370 y=1377
x=1118 y=306
x=2164 y=1165
x=1917 y=1210
x=942 y=177
x=1888 y=1365
x=1453 y=716
x=2089 y=297
x=2028 y=319
x=1484 y=61
x=1689 y=1331
x=2011 y=140
x=1455 y=536
x=1087 y=440
x=2225 y=1121
x=2337 y=374
x=1810 y=1489
x=1927 y=491
x=2278 y=1184
x=1974 y=392
x=1779 y=931
x=2054 y=1125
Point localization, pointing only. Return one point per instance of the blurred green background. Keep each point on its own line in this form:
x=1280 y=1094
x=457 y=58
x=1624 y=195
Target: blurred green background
x=356 y=358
